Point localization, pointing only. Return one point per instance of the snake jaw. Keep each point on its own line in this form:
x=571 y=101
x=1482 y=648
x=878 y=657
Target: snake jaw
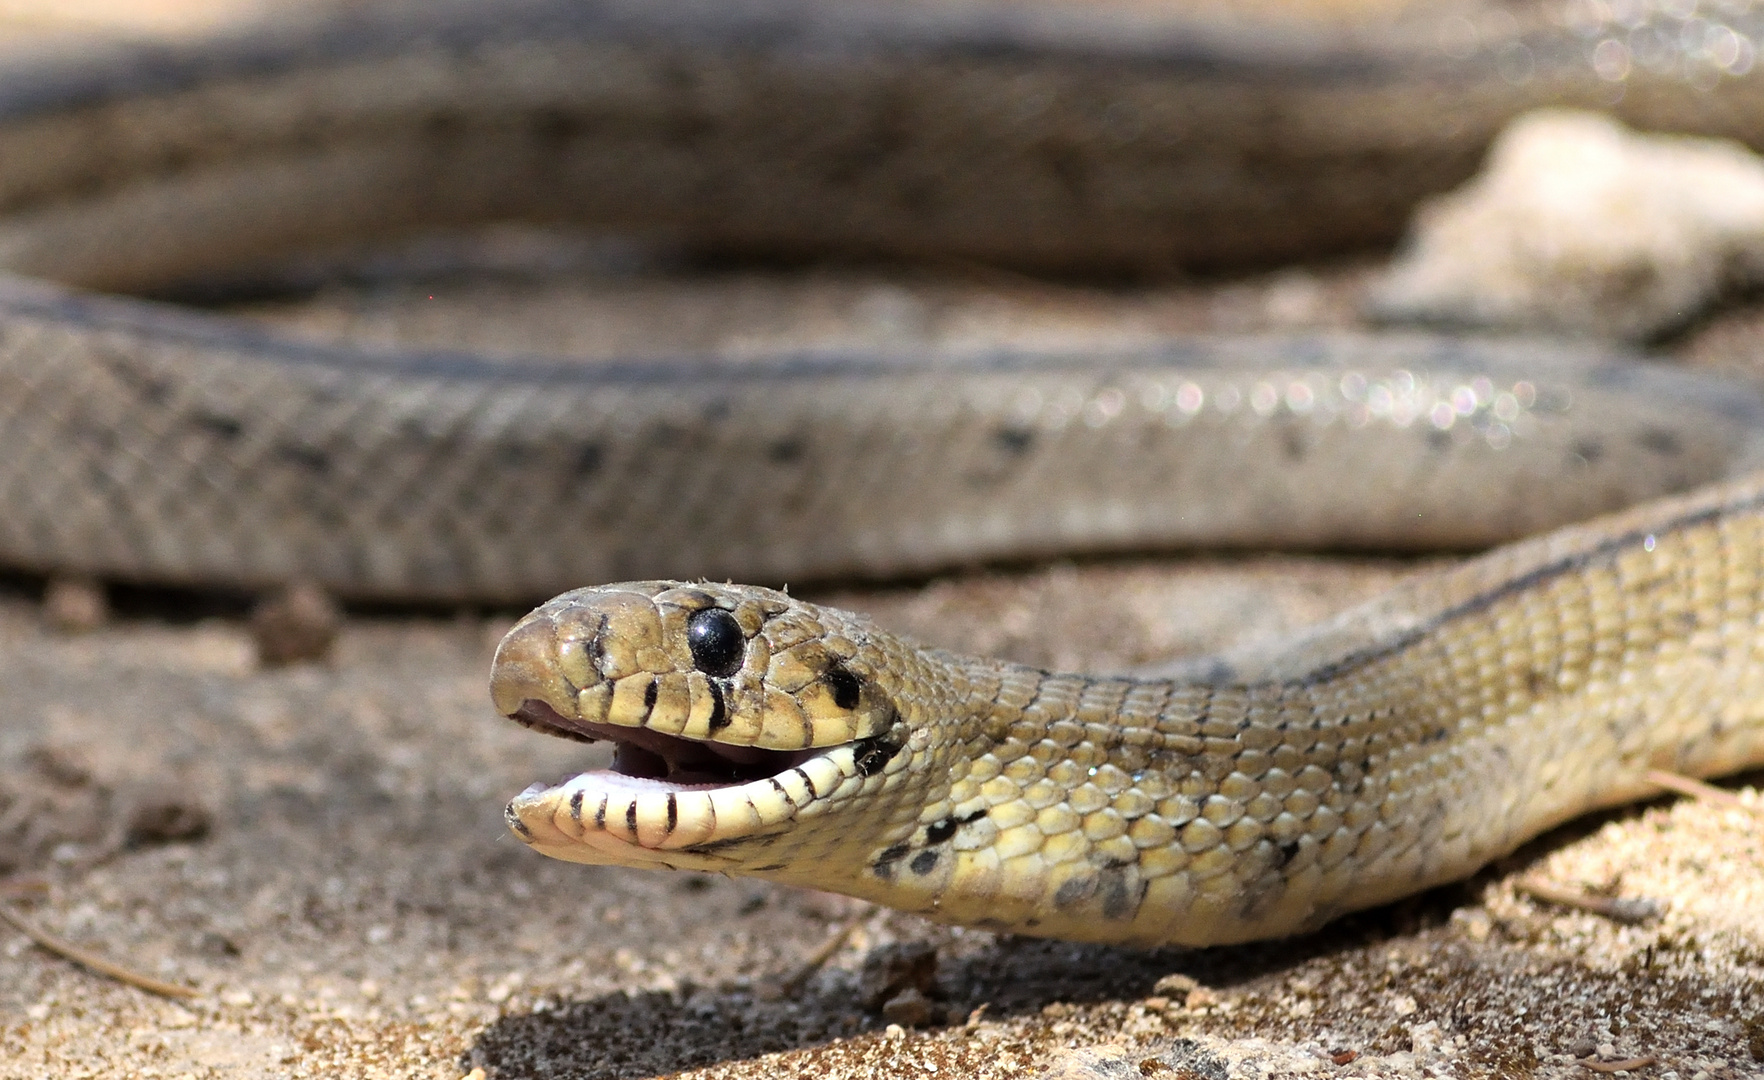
x=707 y=766
x=650 y=755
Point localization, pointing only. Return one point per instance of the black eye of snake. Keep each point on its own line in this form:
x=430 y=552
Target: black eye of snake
x=716 y=641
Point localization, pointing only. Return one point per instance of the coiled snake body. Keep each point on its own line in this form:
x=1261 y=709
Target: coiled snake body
x=1403 y=745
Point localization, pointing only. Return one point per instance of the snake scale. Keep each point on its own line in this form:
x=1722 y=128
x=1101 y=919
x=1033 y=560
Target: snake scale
x=1404 y=744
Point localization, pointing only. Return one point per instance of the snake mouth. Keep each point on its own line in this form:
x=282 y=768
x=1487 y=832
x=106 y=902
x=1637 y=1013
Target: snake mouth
x=684 y=803
x=672 y=760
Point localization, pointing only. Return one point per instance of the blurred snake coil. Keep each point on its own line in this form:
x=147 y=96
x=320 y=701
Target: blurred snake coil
x=1404 y=744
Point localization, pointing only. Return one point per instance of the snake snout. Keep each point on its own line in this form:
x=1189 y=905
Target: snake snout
x=526 y=669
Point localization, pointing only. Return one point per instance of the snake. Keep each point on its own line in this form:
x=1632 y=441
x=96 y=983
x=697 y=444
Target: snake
x=1403 y=744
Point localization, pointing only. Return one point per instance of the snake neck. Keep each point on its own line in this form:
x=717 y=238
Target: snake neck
x=1406 y=750
x=1061 y=804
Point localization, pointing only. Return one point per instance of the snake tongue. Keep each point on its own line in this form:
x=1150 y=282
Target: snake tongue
x=653 y=755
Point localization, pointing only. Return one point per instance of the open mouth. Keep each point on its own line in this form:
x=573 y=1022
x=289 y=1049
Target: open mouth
x=685 y=803
x=680 y=763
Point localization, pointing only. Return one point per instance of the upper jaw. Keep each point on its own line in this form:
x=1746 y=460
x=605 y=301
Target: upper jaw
x=614 y=656
x=674 y=759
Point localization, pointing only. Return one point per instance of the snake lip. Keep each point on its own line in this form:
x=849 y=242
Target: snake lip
x=645 y=754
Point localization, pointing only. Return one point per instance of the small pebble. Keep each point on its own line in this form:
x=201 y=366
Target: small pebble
x=299 y=623
x=893 y=969
x=163 y=813
x=909 y=1008
x=62 y=766
x=1175 y=984
x=75 y=605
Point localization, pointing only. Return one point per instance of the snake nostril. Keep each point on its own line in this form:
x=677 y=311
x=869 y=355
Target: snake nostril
x=595 y=646
x=716 y=641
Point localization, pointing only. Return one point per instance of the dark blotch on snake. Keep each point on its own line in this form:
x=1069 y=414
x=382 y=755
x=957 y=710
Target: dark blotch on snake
x=844 y=686
x=309 y=458
x=716 y=641
x=576 y=806
x=924 y=862
x=650 y=694
x=1662 y=442
x=943 y=830
x=871 y=755
x=556 y=128
x=719 y=717
x=1119 y=899
x=226 y=427
x=884 y=864
x=1074 y=890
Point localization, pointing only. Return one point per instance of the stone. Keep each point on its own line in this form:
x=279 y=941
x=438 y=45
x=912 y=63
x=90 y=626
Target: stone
x=75 y=605
x=300 y=623
x=1579 y=225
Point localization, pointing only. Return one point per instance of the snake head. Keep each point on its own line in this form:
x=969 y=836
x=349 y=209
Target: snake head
x=736 y=713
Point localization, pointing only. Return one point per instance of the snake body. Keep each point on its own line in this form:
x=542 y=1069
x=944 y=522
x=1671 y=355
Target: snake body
x=147 y=443
x=1033 y=132
x=1402 y=746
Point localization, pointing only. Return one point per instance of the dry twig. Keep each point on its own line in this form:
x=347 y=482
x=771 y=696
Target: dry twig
x=825 y=951
x=14 y=888
x=1696 y=789
x=90 y=961
x=1629 y=912
x=1626 y=1065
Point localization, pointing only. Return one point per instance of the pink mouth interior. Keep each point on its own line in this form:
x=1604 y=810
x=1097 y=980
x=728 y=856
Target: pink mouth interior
x=643 y=754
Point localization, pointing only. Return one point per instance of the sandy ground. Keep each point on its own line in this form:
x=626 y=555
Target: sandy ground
x=318 y=851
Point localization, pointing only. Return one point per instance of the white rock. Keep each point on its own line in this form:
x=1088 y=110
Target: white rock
x=1579 y=224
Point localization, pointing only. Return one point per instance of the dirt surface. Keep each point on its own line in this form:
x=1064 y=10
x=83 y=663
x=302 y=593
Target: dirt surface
x=317 y=849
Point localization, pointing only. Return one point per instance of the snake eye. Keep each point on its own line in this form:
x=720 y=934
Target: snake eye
x=716 y=641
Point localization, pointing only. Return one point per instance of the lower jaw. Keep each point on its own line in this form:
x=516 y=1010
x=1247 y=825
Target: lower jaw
x=630 y=819
x=601 y=848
